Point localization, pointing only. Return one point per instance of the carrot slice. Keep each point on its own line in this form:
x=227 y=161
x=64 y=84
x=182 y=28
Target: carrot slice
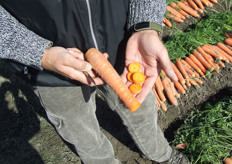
x=134 y=67
x=103 y=67
x=129 y=76
x=135 y=88
x=138 y=77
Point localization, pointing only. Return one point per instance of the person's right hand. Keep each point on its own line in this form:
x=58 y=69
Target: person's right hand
x=70 y=63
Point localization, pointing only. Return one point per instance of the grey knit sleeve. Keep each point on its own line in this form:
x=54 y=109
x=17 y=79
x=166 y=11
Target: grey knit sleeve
x=18 y=43
x=146 y=11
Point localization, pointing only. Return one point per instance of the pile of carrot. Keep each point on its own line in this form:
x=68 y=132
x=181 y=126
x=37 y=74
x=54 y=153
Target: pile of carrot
x=191 y=70
x=184 y=9
x=136 y=77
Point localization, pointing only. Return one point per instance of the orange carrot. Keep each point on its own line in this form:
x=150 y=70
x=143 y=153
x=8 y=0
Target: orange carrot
x=209 y=50
x=198 y=81
x=178 y=74
x=134 y=67
x=223 y=47
x=221 y=64
x=202 y=60
x=167 y=22
x=188 y=9
x=185 y=2
x=197 y=62
x=138 y=77
x=193 y=82
x=199 y=3
x=181 y=68
x=158 y=83
x=177 y=19
x=224 y=53
x=168 y=91
x=217 y=51
x=228 y=35
x=205 y=2
x=174 y=91
x=174 y=5
x=201 y=11
x=174 y=12
x=135 y=88
x=162 y=104
x=179 y=87
x=129 y=76
x=159 y=88
x=193 y=65
x=187 y=68
x=103 y=67
x=228 y=41
x=192 y=4
x=214 y=1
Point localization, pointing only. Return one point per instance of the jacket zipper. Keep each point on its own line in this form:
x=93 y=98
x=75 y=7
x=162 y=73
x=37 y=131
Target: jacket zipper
x=91 y=24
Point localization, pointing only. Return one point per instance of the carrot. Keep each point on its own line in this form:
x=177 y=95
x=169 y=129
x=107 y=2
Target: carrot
x=187 y=68
x=188 y=9
x=197 y=62
x=185 y=2
x=214 y=1
x=228 y=41
x=174 y=12
x=221 y=64
x=178 y=74
x=138 y=77
x=179 y=87
x=201 y=11
x=167 y=22
x=134 y=67
x=168 y=91
x=228 y=35
x=224 y=53
x=135 y=88
x=199 y=81
x=177 y=19
x=174 y=5
x=129 y=76
x=182 y=70
x=209 y=50
x=162 y=104
x=205 y=2
x=192 y=4
x=199 y=3
x=202 y=60
x=103 y=67
x=193 y=65
x=193 y=82
x=174 y=91
x=158 y=83
x=223 y=47
x=210 y=4
x=217 y=50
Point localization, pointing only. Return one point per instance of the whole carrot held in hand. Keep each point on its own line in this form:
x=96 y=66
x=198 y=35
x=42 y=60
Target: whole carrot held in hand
x=103 y=67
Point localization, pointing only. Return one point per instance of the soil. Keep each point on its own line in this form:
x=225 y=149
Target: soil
x=27 y=136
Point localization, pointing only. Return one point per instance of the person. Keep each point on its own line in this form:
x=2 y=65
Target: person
x=45 y=42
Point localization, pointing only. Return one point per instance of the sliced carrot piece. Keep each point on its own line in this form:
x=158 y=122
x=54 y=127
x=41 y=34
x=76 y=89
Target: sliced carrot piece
x=138 y=77
x=134 y=67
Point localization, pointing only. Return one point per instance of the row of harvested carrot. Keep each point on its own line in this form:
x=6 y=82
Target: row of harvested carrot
x=184 y=9
x=190 y=71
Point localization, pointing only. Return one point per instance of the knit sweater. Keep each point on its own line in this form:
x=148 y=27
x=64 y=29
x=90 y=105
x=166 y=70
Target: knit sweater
x=24 y=46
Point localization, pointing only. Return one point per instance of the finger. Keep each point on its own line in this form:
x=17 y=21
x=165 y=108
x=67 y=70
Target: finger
x=146 y=88
x=79 y=76
x=76 y=53
x=77 y=64
x=167 y=66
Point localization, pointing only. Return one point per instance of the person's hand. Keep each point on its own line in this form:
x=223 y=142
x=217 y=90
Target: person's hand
x=146 y=48
x=70 y=63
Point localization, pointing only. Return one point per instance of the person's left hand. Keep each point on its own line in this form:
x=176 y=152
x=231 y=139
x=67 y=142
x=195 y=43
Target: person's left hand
x=146 y=48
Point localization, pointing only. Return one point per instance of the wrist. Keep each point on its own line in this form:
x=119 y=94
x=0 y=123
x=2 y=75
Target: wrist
x=144 y=26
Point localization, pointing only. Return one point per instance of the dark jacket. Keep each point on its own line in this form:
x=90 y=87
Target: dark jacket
x=72 y=23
